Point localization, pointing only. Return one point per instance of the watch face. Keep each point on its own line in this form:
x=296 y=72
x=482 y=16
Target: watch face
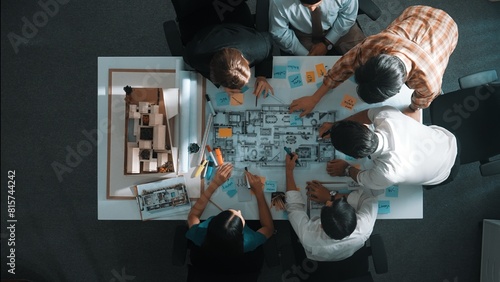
x=329 y=47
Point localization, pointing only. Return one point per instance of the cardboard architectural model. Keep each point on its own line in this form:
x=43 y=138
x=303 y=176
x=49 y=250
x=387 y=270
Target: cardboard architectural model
x=148 y=140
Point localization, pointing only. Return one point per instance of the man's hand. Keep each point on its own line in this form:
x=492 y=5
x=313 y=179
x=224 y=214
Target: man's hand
x=324 y=128
x=290 y=162
x=223 y=174
x=317 y=192
x=318 y=49
x=336 y=167
x=261 y=85
x=306 y=104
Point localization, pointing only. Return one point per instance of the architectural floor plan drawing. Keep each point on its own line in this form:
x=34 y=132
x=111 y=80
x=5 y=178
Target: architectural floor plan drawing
x=260 y=136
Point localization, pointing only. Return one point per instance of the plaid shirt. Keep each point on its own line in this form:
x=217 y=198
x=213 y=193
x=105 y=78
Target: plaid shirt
x=421 y=36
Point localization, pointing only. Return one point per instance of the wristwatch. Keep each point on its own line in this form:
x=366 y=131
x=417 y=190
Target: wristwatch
x=332 y=195
x=328 y=44
x=346 y=171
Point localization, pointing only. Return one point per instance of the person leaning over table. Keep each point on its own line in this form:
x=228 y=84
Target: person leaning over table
x=345 y=223
x=403 y=150
x=414 y=49
x=226 y=235
x=291 y=25
x=224 y=46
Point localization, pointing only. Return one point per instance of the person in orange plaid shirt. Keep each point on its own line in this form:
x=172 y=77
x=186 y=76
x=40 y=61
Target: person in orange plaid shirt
x=414 y=49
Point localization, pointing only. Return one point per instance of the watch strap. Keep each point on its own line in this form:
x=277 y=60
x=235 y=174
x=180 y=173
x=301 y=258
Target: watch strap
x=346 y=171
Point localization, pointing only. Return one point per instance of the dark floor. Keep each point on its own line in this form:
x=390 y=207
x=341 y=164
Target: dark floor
x=49 y=78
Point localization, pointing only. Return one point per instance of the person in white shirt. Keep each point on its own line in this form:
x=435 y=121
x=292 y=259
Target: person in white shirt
x=403 y=150
x=345 y=223
x=291 y=26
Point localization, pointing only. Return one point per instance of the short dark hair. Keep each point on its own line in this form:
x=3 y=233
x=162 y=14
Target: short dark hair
x=380 y=78
x=338 y=220
x=224 y=236
x=229 y=68
x=353 y=138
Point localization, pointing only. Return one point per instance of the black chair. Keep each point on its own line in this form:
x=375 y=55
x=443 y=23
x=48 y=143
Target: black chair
x=369 y=8
x=202 y=268
x=356 y=268
x=472 y=115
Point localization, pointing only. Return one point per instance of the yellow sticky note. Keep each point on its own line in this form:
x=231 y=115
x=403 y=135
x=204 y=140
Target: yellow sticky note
x=237 y=99
x=320 y=69
x=225 y=132
x=348 y=102
x=310 y=77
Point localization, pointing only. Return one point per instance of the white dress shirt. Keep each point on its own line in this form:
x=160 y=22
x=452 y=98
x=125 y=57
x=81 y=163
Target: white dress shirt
x=320 y=247
x=337 y=17
x=408 y=151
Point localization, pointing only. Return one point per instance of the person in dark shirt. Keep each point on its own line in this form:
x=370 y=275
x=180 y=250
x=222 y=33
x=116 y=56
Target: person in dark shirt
x=222 y=44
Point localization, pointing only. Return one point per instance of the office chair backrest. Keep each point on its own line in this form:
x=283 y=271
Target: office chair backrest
x=369 y=8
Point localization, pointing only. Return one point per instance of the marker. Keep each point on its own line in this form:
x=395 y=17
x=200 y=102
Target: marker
x=289 y=152
x=205 y=168
x=246 y=177
x=218 y=156
x=200 y=168
x=210 y=105
x=211 y=154
x=210 y=169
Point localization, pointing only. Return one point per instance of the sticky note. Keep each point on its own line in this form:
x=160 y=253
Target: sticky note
x=225 y=132
x=293 y=65
x=270 y=186
x=392 y=191
x=351 y=78
x=231 y=193
x=348 y=102
x=319 y=84
x=310 y=77
x=244 y=88
x=237 y=99
x=320 y=70
x=295 y=80
x=295 y=120
x=384 y=207
x=228 y=185
x=222 y=99
x=279 y=72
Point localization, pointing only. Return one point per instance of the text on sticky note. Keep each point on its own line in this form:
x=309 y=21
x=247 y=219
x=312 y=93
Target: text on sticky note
x=279 y=72
x=310 y=77
x=320 y=70
x=348 y=102
x=384 y=207
x=295 y=80
x=270 y=186
x=222 y=99
x=293 y=66
x=392 y=191
x=295 y=120
x=228 y=185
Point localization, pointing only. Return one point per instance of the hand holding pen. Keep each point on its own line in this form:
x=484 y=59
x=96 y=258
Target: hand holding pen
x=289 y=152
x=254 y=182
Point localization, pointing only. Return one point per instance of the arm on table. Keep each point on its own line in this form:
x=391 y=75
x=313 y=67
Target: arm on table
x=265 y=217
x=222 y=175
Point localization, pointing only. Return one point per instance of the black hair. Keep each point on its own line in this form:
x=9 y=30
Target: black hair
x=380 y=78
x=338 y=220
x=224 y=236
x=353 y=138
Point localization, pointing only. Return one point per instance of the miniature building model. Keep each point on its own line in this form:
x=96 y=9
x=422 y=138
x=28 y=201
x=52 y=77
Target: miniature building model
x=147 y=150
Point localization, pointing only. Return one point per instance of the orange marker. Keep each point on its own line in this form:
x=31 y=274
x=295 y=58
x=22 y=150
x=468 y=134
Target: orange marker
x=211 y=155
x=218 y=155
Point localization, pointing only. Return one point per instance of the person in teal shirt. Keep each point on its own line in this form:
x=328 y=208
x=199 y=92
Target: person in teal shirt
x=226 y=234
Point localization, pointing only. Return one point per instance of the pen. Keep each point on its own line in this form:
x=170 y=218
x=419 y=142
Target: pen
x=210 y=105
x=248 y=182
x=211 y=154
x=289 y=152
x=218 y=155
x=200 y=168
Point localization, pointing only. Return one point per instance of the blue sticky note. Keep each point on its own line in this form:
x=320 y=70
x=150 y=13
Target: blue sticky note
x=228 y=185
x=384 y=207
x=270 y=186
x=319 y=84
x=222 y=99
x=244 y=88
x=231 y=193
x=293 y=65
x=352 y=79
x=295 y=120
x=295 y=80
x=392 y=191
x=279 y=72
